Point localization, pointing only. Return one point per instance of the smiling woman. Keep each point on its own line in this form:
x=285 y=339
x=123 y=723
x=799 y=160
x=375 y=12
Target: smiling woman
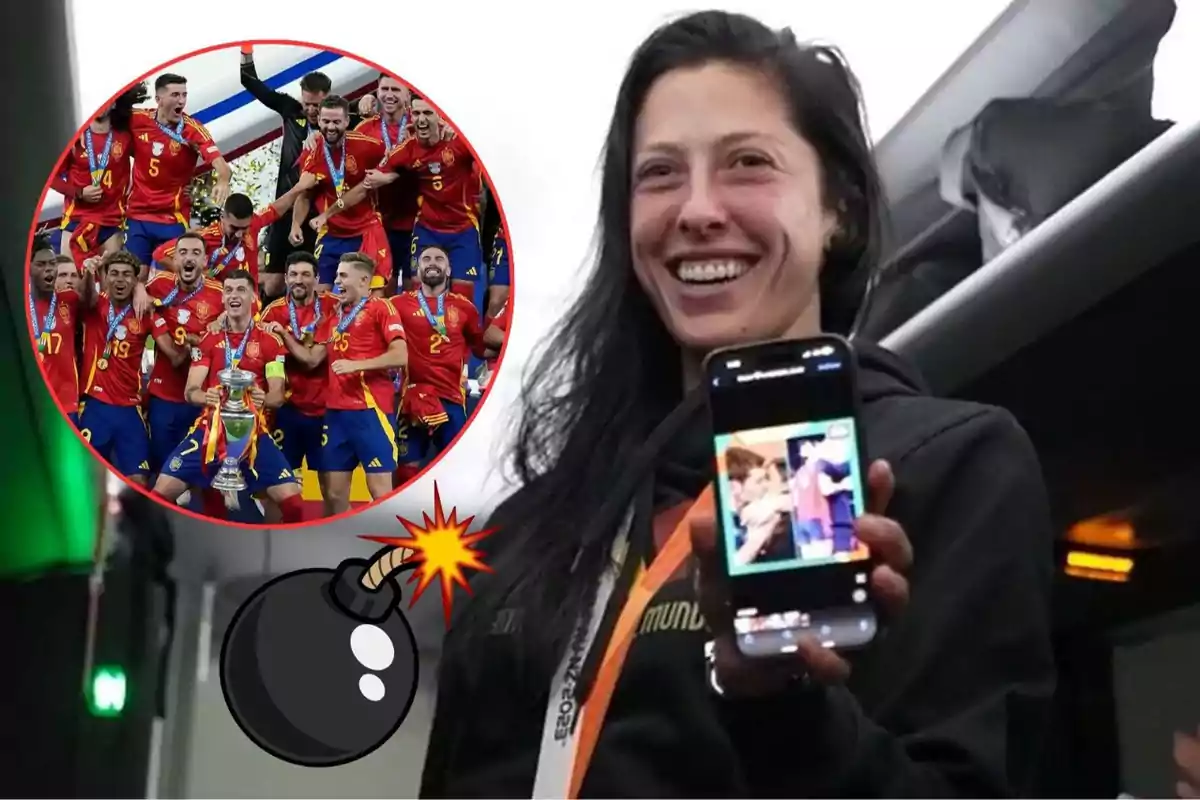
x=739 y=203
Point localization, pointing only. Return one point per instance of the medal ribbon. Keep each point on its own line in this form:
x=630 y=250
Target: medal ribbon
x=232 y=358
x=344 y=320
x=49 y=322
x=97 y=168
x=166 y=301
x=438 y=323
x=175 y=133
x=386 y=134
x=337 y=174
x=213 y=268
x=310 y=327
x=114 y=321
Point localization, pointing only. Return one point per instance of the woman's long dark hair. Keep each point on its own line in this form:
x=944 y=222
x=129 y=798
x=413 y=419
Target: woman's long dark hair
x=612 y=372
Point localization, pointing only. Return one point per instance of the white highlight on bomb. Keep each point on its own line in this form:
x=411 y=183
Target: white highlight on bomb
x=371 y=687
x=373 y=648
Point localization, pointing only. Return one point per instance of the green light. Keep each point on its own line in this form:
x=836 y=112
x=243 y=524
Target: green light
x=107 y=698
x=50 y=481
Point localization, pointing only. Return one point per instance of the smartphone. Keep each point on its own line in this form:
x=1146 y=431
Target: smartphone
x=791 y=479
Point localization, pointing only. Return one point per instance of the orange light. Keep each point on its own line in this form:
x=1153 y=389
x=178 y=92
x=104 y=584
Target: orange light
x=1098 y=567
x=1103 y=532
x=1097 y=575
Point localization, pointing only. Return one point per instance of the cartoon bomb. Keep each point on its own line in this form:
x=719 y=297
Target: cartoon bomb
x=319 y=666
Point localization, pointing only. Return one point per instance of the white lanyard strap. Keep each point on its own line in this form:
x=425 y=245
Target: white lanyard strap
x=560 y=733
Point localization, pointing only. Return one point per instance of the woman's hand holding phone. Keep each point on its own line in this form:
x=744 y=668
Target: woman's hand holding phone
x=750 y=677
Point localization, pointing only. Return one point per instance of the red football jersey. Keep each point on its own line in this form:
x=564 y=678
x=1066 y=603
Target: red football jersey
x=116 y=378
x=477 y=177
x=260 y=350
x=398 y=201
x=226 y=256
x=434 y=359
x=163 y=167
x=501 y=322
x=57 y=354
x=306 y=388
x=111 y=152
x=188 y=312
x=362 y=153
x=449 y=189
x=368 y=336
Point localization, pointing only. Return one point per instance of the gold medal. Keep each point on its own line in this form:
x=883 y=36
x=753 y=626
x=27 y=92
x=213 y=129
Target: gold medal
x=308 y=338
x=102 y=364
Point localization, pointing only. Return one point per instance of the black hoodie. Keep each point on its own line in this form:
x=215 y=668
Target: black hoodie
x=951 y=700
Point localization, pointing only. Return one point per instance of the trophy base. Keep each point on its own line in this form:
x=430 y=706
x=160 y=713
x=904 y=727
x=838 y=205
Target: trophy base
x=230 y=486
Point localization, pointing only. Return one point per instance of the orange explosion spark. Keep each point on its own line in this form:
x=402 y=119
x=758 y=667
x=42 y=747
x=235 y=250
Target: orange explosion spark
x=443 y=547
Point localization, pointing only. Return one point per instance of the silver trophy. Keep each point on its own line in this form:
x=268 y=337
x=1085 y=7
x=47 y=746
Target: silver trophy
x=239 y=425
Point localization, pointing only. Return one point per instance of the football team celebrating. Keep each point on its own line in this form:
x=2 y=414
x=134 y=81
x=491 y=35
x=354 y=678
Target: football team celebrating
x=371 y=311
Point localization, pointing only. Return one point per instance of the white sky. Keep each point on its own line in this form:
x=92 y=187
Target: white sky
x=531 y=86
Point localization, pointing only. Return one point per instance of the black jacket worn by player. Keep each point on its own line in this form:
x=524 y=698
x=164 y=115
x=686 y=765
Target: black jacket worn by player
x=296 y=131
x=951 y=701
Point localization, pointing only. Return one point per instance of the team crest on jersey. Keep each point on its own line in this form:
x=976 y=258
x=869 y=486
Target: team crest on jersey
x=174 y=147
x=435 y=168
x=121 y=333
x=448 y=157
x=176 y=463
x=203 y=310
x=451 y=316
x=252 y=350
x=118 y=150
x=183 y=316
x=64 y=312
x=351 y=165
x=135 y=327
x=156 y=149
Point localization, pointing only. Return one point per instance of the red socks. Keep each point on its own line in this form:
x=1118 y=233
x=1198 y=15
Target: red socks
x=214 y=504
x=292 y=509
x=404 y=473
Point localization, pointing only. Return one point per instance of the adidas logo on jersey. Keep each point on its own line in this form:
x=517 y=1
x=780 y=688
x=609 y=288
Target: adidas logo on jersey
x=375 y=463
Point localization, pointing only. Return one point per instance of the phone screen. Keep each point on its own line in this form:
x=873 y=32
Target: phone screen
x=790 y=483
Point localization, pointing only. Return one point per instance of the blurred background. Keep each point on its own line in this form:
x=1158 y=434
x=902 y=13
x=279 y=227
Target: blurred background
x=1042 y=165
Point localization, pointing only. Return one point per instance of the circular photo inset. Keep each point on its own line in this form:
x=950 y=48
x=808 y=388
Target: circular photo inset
x=268 y=284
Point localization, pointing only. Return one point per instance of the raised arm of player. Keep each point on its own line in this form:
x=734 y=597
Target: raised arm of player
x=87 y=284
x=210 y=155
x=282 y=104
x=302 y=203
x=164 y=255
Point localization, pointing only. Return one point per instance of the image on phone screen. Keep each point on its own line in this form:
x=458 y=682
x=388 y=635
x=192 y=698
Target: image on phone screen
x=790 y=485
x=790 y=494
